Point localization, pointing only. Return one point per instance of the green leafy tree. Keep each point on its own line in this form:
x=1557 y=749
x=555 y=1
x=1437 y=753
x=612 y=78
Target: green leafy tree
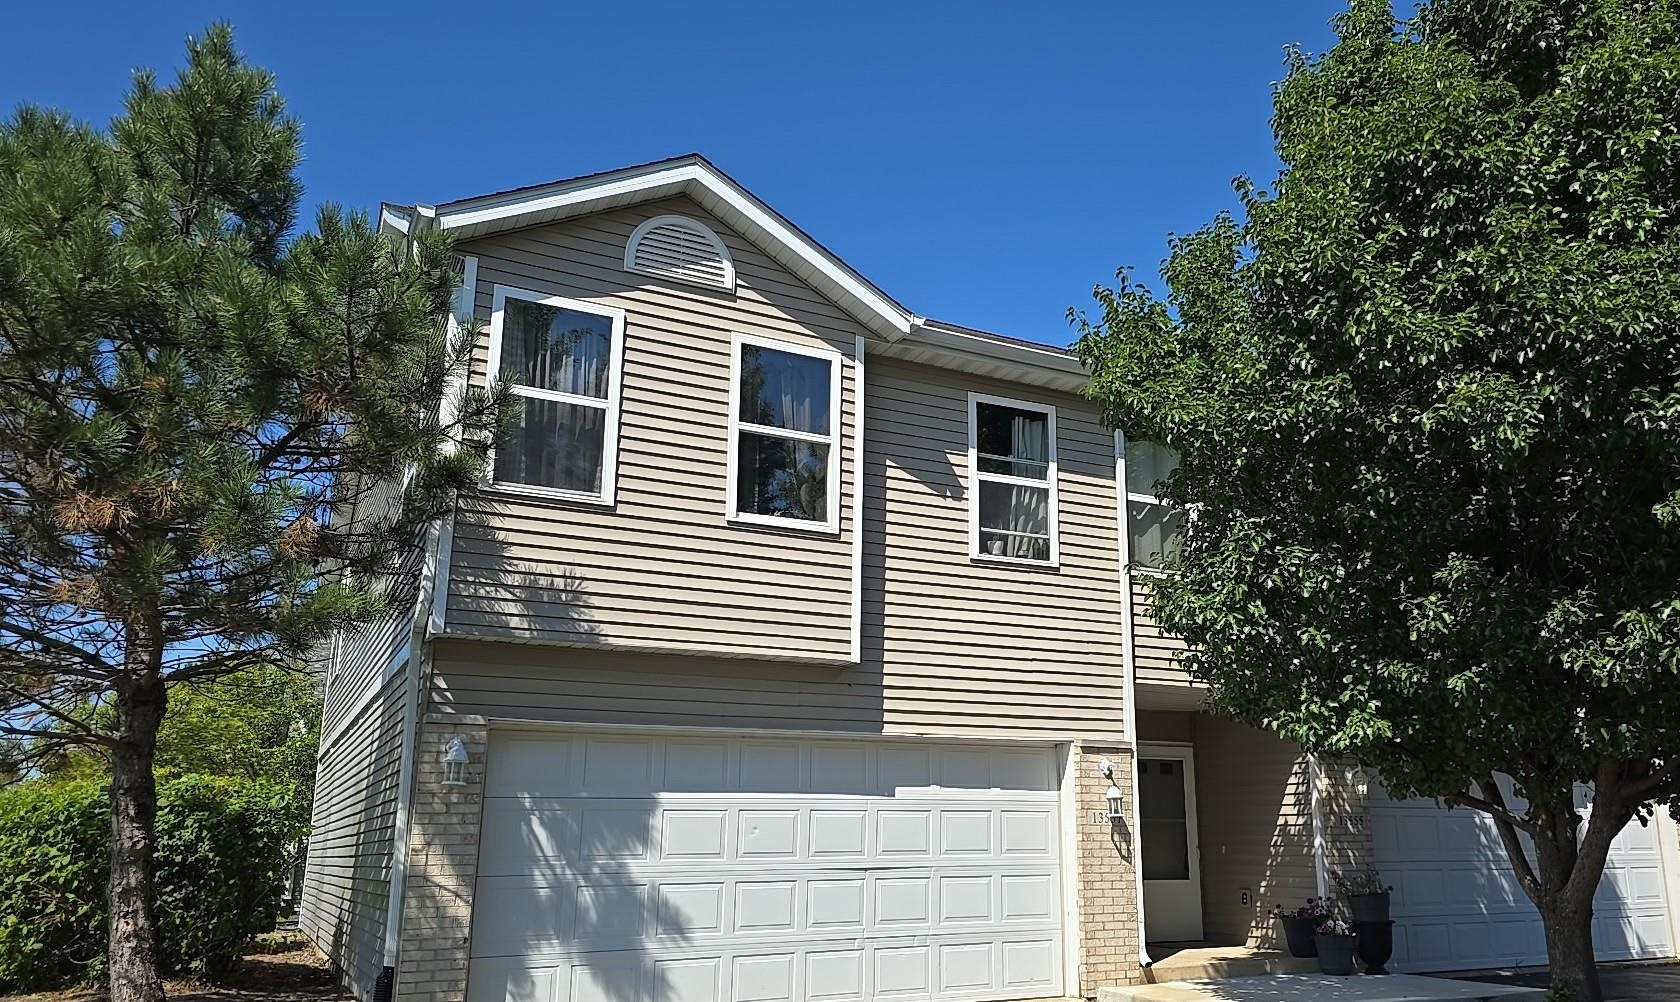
x=218 y=438
x=1427 y=398
x=259 y=723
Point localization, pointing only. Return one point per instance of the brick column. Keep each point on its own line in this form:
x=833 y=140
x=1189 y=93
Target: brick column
x=1108 y=904
x=442 y=864
x=1347 y=826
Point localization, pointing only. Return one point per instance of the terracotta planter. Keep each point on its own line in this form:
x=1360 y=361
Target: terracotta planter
x=1369 y=907
x=1335 y=954
x=1298 y=933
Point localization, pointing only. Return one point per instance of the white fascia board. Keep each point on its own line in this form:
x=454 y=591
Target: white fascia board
x=993 y=359
x=1046 y=358
x=393 y=219
x=748 y=212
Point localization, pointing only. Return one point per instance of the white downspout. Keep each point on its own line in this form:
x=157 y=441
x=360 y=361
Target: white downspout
x=1321 y=871
x=429 y=602
x=1128 y=660
x=858 y=379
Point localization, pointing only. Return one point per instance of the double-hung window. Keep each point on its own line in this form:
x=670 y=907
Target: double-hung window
x=784 y=435
x=1152 y=526
x=1012 y=499
x=563 y=359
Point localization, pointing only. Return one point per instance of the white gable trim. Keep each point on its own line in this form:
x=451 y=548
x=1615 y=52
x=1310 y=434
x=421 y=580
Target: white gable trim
x=717 y=194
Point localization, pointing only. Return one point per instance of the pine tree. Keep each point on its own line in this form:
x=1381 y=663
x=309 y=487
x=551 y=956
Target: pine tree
x=218 y=438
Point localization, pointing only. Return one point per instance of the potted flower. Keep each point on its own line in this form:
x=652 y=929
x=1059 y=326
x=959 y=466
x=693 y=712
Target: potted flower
x=1366 y=894
x=1335 y=942
x=1300 y=922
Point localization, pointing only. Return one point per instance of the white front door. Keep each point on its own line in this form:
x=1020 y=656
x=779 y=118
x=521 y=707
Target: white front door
x=646 y=867
x=1172 y=871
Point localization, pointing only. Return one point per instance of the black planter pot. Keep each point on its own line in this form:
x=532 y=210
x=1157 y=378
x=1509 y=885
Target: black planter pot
x=1369 y=907
x=1376 y=944
x=1298 y=933
x=1335 y=954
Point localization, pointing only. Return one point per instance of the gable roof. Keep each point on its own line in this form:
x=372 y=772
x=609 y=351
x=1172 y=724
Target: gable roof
x=716 y=192
x=694 y=176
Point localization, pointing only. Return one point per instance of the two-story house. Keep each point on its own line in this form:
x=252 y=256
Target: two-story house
x=798 y=647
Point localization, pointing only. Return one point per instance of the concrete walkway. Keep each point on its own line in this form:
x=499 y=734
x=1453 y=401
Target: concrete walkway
x=1322 y=988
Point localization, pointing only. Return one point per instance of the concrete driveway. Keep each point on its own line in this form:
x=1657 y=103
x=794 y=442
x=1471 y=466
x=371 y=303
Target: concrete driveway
x=1621 y=984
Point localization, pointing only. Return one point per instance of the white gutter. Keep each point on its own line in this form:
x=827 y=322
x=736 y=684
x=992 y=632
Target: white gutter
x=1128 y=660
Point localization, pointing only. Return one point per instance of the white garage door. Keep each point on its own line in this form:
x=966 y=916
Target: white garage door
x=620 y=868
x=1457 y=905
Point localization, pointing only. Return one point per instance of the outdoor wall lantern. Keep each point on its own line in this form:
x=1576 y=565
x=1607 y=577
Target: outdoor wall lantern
x=455 y=762
x=1113 y=793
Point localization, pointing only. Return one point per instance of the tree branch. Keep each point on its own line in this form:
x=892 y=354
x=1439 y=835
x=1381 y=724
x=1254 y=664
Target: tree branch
x=83 y=731
x=1505 y=823
x=1494 y=806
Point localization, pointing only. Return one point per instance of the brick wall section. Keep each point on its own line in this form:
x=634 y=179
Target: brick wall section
x=1347 y=827
x=442 y=865
x=1108 y=905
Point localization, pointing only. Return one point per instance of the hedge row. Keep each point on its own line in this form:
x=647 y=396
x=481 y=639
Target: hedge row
x=224 y=851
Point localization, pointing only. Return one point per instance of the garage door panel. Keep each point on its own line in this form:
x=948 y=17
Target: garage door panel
x=523 y=919
x=688 y=911
x=1030 y=966
x=586 y=765
x=834 y=976
x=1028 y=834
x=524 y=915
x=1457 y=904
x=767 y=871
x=512 y=832
x=951 y=967
x=511 y=980
x=903 y=971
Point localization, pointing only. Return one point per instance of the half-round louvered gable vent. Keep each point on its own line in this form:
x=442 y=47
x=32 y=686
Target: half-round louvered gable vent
x=680 y=249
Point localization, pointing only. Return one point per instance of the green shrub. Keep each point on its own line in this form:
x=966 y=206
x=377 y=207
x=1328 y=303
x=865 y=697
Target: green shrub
x=224 y=850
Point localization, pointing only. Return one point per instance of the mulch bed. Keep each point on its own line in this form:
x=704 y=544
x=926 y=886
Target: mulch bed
x=287 y=972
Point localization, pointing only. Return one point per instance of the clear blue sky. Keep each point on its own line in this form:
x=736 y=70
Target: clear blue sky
x=985 y=163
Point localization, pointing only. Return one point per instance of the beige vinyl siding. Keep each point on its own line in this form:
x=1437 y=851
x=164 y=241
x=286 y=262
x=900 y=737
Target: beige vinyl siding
x=1253 y=792
x=363 y=654
x=352 y=827
x=1165 y=725
x=1154 y=648
x=950 y=646
x=661 y=570
x=967 y=646
x=575 y=685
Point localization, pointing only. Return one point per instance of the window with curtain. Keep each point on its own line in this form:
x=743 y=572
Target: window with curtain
x=558 y=355
x=1151 y=525
x=1013 y=497
x=786 y=436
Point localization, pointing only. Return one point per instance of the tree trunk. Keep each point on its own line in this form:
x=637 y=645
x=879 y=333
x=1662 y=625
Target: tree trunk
x=1569 y=949
x=1566 y=906
x=132 y=945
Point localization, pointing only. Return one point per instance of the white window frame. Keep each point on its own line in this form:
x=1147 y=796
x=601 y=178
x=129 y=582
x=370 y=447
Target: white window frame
x=688 y=222
x=615 y=380
x=1127 y=496
x=976 y=477
x=836 y=420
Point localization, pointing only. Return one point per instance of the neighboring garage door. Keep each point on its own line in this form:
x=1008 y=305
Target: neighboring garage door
x=1457 y=905
x=620 y=868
